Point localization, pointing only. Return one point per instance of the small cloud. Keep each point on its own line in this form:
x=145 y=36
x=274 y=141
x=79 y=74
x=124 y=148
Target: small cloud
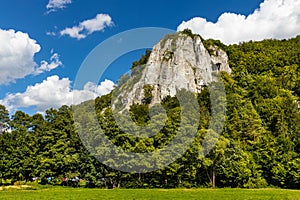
x=51 y=33
x=54 y=5
x=74 y=32
x=46 y=67
x=87 y=27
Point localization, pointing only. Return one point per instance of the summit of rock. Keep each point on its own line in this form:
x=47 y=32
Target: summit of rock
x=178 y=61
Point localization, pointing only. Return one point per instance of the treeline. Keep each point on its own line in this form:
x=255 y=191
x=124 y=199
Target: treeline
x=259 y=146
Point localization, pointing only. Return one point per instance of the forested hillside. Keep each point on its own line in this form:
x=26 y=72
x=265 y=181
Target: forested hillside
x=259 y=146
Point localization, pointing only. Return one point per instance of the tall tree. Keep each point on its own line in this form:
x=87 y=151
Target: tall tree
x=4 y=119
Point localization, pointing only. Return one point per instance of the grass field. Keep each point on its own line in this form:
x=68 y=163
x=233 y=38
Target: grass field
x=129 y=194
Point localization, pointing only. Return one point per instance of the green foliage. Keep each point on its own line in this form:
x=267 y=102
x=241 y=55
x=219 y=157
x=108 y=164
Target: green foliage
x=168 y=56
x=4 y=119
x=148 y=93
x=259 y=147
x=173 y=38
x=210 y=43
x=143 y=60
x=140 y=113
x=189 y=33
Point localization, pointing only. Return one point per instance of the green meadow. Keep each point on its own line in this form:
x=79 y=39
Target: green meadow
x=61 y=193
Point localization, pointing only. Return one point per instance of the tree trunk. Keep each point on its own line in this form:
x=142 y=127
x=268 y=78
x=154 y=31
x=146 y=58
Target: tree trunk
x=166 y=182
x=213 y=177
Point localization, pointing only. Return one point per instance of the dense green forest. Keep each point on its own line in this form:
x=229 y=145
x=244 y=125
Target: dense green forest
x=259 y=146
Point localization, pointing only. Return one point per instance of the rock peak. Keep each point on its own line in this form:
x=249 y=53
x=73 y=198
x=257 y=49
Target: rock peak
x=178 y=61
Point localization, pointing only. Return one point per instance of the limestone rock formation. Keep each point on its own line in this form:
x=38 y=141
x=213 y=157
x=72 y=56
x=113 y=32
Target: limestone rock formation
x=178 y=61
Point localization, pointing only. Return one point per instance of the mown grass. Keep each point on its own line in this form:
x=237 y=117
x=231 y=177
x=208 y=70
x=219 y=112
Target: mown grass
x=60 y=193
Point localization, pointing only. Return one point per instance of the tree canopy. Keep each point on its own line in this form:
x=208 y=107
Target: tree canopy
x=259 y=146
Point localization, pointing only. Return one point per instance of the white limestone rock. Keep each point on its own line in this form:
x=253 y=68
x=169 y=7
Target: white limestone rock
x=177 y=62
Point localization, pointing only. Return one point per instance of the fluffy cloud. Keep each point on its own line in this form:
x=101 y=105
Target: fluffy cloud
x=54 y=92
x=87 y=27
x=17 y=51
x=274 y=19
x=54 y=5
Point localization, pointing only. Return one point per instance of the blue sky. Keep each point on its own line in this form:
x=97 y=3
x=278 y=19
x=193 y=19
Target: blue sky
x=39 y=56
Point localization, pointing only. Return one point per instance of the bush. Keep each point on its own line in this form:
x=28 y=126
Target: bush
x=19 y=183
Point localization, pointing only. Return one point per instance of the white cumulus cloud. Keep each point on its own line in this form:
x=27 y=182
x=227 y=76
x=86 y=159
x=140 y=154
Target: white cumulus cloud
x=54 y=5
x=17 y=51
x=53 y=93
x=87 y=27
x=277 y=19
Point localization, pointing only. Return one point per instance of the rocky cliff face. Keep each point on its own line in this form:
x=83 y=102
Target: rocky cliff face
x=178 y=61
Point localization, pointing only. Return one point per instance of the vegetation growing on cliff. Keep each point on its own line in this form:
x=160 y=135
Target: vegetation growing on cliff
x=260 y=144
